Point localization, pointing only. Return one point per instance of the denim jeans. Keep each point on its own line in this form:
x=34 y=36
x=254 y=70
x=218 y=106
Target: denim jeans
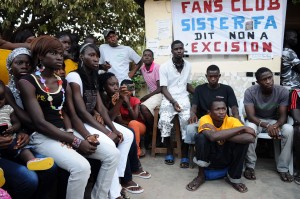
x=25 y=184
x=287 y=132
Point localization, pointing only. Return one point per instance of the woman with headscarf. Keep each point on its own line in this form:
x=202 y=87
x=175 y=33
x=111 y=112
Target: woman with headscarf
x=22 y=182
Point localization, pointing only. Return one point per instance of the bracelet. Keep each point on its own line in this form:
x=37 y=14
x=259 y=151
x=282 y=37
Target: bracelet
x=76 y=142
x=268 y=125
x=259 y=123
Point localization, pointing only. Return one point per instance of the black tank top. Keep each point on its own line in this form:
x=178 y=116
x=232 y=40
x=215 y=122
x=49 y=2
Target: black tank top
x=52 y=116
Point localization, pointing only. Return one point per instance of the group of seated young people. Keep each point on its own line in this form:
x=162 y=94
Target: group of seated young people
x=67 y=120
x=58 y=120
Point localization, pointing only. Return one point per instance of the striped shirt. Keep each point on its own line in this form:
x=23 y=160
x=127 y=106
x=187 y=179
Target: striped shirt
x=151 y=76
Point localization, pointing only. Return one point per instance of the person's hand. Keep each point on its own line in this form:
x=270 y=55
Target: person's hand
x=131 y=74
x=5 y=141
x=10 y=130
x=123 y=91
x=119 y=134
x=98 y=118
x=113 y=137
x=249 y=130
x=86 y=148
x=22 y=140
x=93 y=139
x=273 y=131
x=176 y=107
x=193 y=118
x=115 y=98
x=106 y=66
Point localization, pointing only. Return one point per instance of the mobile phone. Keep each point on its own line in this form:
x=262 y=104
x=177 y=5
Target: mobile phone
x=3 y=128
x=130 y=87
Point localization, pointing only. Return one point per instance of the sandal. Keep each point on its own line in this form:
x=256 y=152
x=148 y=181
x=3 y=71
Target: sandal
x=124 y=195
x=196 y=183
x=240 y=187
x=249 y=174
x=184 y=163
x=286 y=176
x=169 y=160
x=132 y=189
x=142 y=174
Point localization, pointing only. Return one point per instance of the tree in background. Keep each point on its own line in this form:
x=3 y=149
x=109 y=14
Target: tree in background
x=81 y=17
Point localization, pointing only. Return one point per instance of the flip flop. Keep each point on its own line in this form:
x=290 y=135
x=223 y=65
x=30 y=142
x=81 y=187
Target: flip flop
x=142 y=175
x=184 y=163
x=169 y=159
x=140 y=190
x=195 y=184
x=249 y=174
x=240 y=187
x=297 y=179
x=286 y=176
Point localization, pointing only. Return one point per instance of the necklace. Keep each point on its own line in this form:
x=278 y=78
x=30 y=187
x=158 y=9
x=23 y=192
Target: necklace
x=47 y=90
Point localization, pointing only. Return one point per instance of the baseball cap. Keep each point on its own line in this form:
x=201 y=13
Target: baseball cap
x=107 y=31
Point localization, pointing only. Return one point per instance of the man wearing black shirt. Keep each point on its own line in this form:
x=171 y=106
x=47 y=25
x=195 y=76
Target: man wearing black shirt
x=203 y=96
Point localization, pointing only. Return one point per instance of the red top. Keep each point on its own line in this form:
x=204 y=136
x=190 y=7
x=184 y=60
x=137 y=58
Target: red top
x=124 y=111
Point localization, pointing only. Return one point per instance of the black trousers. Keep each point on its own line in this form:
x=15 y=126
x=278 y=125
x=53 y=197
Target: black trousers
x=230 y=155
x=133 y=162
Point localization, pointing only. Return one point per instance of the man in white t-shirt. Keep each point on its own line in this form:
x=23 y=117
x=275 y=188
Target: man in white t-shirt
x=175 y=77
x=116 y=58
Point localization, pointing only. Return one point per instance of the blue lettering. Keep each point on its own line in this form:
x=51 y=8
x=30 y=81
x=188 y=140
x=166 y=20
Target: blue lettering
x=201 y=24
x=223 y=21
x=212 y=22
x=271 y=22
x=193 y=24
x=257 y=21
x=238 y=22
x=185 y=24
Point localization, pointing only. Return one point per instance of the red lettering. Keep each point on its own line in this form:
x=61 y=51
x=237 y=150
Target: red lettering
x=194 y=47
x=233 y=8
x=225 y=47
x=184 y=6
x=267 y=46
x=205 y=47
x=207 y=6
x=245 y=6
x=196 y=6
x=235 y=47
x=218 y=5
x=216 y=44
x=274 y=5
x=245 y=46
x=262 y=5
x=254 y=46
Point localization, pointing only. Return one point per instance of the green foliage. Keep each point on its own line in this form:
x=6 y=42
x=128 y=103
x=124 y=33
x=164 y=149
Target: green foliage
x=139 y=82
x=200 y=80
x=78 y=16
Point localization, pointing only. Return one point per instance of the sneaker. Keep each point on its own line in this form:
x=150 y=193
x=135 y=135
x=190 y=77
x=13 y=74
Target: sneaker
x=38 y=164
x=4 y=194
x=2 y=179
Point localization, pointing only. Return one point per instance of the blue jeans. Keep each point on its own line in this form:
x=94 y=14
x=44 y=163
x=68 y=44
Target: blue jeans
x=25 y=184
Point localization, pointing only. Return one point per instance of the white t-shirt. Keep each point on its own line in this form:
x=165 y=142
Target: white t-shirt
x=119 y=58
x=176 y=82
x=74 y=77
